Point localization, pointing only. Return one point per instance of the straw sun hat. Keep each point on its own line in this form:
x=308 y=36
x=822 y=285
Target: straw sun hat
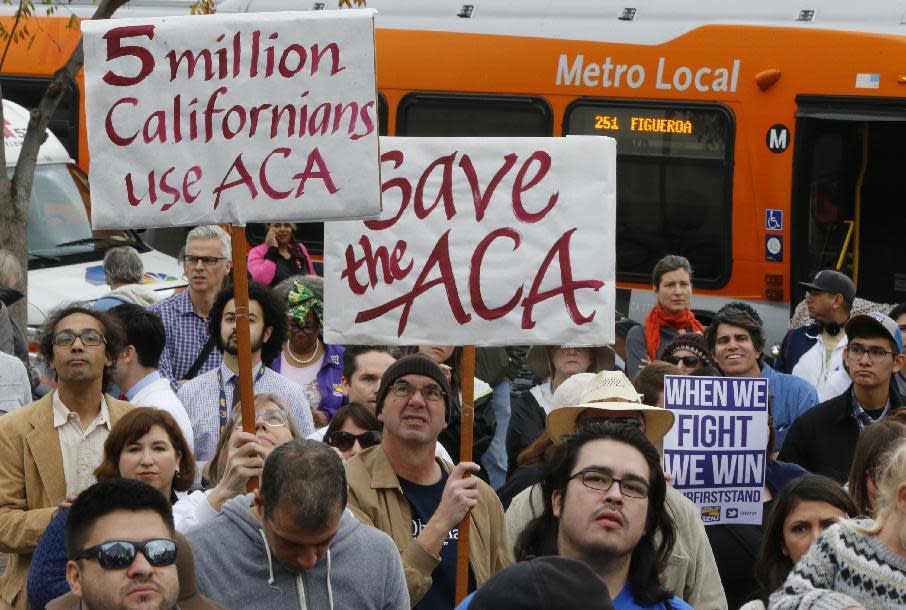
x=609 y=391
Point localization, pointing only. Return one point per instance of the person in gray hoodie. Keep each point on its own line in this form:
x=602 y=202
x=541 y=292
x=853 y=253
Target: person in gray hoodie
x=293 y=544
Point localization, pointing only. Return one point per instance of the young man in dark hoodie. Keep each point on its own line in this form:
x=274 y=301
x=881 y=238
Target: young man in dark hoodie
x=325 y=558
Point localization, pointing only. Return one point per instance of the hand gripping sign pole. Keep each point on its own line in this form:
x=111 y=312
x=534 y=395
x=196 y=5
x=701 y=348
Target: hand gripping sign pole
x=465 y=455
x=243 y=335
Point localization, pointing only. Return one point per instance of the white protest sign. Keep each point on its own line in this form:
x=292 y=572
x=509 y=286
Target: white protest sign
x=484 y=241
x=716 y=450
x=232 y=118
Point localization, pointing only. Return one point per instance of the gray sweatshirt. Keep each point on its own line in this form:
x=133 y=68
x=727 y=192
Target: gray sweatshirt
x=234 y=567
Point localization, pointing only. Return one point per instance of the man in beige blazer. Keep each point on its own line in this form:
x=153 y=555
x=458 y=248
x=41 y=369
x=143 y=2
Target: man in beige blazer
x=50 y=448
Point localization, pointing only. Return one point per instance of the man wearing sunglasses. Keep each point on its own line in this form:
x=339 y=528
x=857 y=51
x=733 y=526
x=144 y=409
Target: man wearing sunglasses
x=401 y=488
x=125 y=554
x=604 y=505
x=823 y=440
x=50 y=448
x=292 y=544
x=736 y=340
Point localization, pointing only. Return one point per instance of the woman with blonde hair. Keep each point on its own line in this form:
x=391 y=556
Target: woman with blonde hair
x=857 y=563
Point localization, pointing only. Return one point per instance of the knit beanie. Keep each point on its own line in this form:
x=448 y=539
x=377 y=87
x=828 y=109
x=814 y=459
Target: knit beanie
x=414 y=364
x=691 y=342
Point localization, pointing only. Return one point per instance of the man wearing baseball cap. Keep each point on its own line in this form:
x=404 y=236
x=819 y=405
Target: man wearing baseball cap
x=815 y=352
x=399 y=487
x=823 y=439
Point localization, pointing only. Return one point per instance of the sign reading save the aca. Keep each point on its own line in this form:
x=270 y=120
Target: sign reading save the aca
x=232 y=118
x=716 y=450
x=482 y=241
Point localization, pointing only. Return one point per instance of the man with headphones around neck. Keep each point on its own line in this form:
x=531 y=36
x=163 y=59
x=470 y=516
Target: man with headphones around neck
x=815 y=352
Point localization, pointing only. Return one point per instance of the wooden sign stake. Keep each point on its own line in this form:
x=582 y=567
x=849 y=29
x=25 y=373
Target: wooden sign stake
x=465 y=455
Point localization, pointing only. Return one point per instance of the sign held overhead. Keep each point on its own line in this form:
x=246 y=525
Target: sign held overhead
x=232 y=118
x=482 y=241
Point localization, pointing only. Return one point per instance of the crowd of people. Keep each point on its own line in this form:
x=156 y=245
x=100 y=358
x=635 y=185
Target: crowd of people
x=127 y=484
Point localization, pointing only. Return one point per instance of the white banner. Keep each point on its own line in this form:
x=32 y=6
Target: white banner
x=484 y=241
x=232 y=118
x=717 y=449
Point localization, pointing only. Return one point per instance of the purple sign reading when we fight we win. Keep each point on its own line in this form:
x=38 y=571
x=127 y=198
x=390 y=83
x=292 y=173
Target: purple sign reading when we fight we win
x=717 y=448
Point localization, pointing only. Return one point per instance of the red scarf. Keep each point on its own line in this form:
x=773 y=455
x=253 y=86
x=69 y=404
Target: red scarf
x=658 y=317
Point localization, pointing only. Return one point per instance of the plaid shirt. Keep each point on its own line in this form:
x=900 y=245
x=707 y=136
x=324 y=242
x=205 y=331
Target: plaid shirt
x=201 y=397
x=862 y=418
x=187 y=333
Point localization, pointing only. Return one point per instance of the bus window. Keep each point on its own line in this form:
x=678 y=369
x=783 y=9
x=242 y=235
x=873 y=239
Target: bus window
x=28 y=90
x=382 y=113
x=455 y=115
x=674 y=170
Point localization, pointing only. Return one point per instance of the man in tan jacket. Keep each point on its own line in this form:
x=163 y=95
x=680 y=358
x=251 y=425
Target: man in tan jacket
x=50 y=448
x=401 y=488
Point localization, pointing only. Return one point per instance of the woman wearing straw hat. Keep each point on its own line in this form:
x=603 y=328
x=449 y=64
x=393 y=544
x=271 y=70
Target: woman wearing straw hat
x=553 y=365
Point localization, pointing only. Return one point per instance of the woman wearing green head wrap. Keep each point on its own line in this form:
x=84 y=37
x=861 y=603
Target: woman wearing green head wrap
x=305 y=358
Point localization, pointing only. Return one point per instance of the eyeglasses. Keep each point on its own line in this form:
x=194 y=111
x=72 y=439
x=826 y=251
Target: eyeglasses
x=119 y=554
x=688 y=361
x=902 y=328
x=874 y=353
x=308 y=330
x=208 y=261
x=602 y=481
x=432 y=393
x=271 y=417
x=345 y=440
x=91 y=338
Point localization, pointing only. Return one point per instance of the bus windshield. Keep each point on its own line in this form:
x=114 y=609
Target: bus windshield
x=58 y=219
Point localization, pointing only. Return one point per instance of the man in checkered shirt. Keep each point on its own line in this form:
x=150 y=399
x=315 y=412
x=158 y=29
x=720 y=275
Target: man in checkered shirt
x=207 y=262
x=209 y=398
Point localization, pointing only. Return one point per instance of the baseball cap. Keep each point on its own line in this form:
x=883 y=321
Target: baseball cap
x=544 y=582
x=833 y=282
x=884 y=325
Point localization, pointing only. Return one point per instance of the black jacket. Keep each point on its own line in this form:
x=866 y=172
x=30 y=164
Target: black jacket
x=527 y=422
x=823 y=439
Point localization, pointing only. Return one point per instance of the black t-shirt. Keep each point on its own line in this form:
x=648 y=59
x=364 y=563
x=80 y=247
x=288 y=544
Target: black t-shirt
x=424 y=500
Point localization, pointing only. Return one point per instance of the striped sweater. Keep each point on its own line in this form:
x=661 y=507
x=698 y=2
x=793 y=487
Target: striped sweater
x=843 y=569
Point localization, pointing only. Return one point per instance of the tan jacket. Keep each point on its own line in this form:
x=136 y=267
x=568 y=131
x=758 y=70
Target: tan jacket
x=375 y=497
x=31 y=487
x=691 y=572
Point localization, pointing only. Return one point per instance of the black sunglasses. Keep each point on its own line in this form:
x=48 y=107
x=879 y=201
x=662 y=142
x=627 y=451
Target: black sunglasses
x=119 y=554
x=686 y=360
x=345 y=440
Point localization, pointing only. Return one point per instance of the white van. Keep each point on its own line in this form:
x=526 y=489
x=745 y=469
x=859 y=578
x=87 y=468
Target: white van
x=65 y=255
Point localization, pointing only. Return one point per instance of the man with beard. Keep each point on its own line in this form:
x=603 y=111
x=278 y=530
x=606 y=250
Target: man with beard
x=604 y=496
x=209 y=399
x=122 y=555
x=50 y=448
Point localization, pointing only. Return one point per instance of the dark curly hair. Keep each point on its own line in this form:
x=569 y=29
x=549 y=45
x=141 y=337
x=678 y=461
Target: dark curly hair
x=648 y=557
x=274 y=318
x=111 y=328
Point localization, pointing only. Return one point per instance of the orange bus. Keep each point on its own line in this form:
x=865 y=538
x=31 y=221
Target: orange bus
x=759 y=141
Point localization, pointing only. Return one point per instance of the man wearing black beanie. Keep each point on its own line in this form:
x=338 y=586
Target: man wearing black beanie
x=400 y=487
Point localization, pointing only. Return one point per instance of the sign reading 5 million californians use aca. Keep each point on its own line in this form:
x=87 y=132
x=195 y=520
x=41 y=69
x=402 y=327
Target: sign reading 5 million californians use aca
x=717 y=448
x=232 y=118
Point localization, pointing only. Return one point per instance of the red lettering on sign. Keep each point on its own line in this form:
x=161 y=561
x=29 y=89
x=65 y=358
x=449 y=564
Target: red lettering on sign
x=480 y=199
x=108 y=123
x=519 y=188
x=115 y=50
x=475 y=276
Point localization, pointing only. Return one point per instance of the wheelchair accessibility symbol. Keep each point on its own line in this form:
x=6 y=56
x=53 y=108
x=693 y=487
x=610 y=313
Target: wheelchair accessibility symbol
x=773 y=219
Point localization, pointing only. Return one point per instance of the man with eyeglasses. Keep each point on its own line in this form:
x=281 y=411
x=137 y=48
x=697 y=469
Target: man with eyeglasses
x=189 y=350
x=604 y=505
x=735 y=338
x=125 y=554
x=210 y=398
x=823 y=440
x=50 y=448
x=401 y=488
